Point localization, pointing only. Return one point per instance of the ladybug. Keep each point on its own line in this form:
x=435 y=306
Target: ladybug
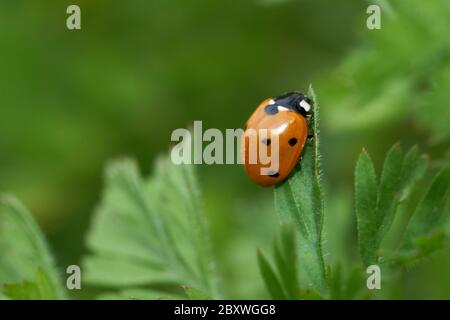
x=283 y=120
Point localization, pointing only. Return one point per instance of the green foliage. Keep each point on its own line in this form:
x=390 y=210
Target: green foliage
x=283 y=280
x=25 y=257
x=38 y=289
x=148 y=240
x=428 y=229
x=375 y=208
x=391 y=83
x=366 y=201
x=286 y=262
x=299 y=200
x=140 y=294
x=402 y=70
x=150 y=232
x=376 y=205
x=345 y=286
x=270 y=278
x=434 y=114
x=377 y=214
x=195 y=294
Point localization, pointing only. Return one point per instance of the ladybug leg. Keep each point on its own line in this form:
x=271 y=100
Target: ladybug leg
x=310 y=136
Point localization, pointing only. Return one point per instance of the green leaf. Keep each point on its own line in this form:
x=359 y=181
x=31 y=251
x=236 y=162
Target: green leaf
x=414 y=167
x=284 y=251
x=270 y=278
x=195 y=294
x=286 y=261
x=310 y=294
x=376 y=207
x=119 y=273
x=425 y=231
x=299 y=200
x=141 y=294
x=24 y=249
x=356 y=282
x=389 y=190
x=381 y=83
x=336 y=283
x=366 y=213
x=435 y=101
x=150 y=232
x=346 y=284
x=38 y=289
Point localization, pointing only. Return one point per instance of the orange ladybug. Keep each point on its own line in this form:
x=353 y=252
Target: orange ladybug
x=274 y=138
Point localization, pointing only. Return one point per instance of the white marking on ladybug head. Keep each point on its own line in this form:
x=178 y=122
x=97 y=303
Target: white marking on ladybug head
x=305 y=105
x=271 y=101
x=281 y=108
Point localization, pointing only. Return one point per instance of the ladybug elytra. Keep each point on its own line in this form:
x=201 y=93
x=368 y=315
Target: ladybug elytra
x=278 y=129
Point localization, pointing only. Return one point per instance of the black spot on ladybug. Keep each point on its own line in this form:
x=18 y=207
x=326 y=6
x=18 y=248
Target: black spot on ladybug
x=271 y=109
x=274 y=175
x=292 y=141
x=266 y=141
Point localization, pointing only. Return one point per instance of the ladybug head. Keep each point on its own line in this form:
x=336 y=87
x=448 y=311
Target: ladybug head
x=295 y=101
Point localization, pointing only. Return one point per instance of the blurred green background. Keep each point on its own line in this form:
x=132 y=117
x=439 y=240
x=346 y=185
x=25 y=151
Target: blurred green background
x=73 y=100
